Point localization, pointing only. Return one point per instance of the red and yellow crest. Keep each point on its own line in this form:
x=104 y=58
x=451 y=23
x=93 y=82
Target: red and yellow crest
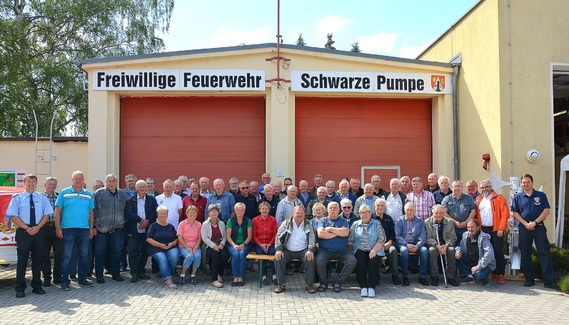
x=438 y=82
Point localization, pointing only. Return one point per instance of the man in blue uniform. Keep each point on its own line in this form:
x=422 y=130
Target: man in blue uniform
x=531 y=208
x=29 y=210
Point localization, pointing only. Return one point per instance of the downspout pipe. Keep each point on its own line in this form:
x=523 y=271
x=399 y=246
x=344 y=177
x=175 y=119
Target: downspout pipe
x=456 y=62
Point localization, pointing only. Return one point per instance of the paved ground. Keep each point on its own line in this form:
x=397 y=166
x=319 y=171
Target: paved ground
x=149 y=302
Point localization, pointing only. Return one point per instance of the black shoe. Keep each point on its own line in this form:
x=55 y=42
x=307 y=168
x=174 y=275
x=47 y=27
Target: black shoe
x=193 y=279
x=395 y=279
x=38 y=291
x=551 y=286
x=65 y=286
x=134 y=278
x=73 y=277
x=529 y=283
x=406 y=282
x=47 y=283
x=240 y=283
x=322 y=287
x=423 y=281
x=86 y=283
x=434 y=281
x=234 y=284
x=20 y=294
x=143 y=276
x=118 y=277
x=100 y=280
x=265 y=280
x=453 y=282
x=275 y=282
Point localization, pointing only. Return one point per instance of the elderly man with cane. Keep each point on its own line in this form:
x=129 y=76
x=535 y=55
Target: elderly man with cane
x=441 y=238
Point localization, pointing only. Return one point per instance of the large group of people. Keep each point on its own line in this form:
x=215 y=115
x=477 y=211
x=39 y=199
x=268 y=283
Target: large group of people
x=434 y=229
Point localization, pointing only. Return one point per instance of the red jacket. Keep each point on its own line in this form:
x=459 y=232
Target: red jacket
x=264 y=231
x=500 y=210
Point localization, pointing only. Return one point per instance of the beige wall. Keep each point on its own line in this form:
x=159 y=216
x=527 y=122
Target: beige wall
x=508 y=49
x=104 y=106
x=480 y=124
x=67 y=158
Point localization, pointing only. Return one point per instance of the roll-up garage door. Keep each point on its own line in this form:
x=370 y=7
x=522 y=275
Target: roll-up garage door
x=338 y=137
x=164 y=137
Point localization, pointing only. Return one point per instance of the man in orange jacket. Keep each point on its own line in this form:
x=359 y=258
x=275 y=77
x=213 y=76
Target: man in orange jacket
x=492 y=212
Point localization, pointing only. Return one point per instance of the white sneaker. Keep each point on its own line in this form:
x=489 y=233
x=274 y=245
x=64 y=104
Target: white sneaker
x=370 y=292
x=364 y=292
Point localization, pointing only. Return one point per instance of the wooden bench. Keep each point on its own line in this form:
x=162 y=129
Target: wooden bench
x=262 y=258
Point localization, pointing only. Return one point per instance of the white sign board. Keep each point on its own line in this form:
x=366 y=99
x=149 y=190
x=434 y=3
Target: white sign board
x=174 y=79
x=372 y=82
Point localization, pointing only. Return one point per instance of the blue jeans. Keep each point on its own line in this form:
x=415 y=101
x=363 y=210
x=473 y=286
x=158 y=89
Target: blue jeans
x=423 y=261
x=271 y=251
x=462 y=264
x=483 y=274
x=112 y=242
x=167 y=261
x=189 y=258
x=238 y=261
x=72 y=237
x=90 y=259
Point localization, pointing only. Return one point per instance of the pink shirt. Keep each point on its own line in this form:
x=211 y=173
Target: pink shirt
x=190 y=233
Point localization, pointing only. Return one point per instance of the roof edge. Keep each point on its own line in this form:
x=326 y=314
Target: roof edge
x=257 y=46
x=55 y=139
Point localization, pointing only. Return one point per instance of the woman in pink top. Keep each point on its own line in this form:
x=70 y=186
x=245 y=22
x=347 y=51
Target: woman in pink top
x=189 y=241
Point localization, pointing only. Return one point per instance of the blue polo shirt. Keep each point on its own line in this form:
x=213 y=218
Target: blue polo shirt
x=336 y=244
x=75 y=207
x=530 y=207
x=20 y=206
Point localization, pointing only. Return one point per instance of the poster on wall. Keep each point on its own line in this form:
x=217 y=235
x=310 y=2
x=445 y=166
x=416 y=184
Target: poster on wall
x=12 y=177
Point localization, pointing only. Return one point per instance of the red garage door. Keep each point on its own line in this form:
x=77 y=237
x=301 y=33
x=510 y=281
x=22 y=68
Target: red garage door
x=336 y=137
x=164 y=137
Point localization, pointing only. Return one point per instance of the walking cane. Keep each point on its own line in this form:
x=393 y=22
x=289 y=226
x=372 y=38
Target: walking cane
x=436 y=225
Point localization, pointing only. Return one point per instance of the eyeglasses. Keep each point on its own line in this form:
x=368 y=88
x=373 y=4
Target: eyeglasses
x=485 y=187
x=349 y=207
x=245 y=188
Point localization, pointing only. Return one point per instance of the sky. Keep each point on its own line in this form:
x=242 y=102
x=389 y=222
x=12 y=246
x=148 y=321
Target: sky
x=400 y=28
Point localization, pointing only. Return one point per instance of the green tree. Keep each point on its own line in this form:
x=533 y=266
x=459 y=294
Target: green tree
x=356 y=47
x=39 y=42
x=330 y=43
x=300 y=41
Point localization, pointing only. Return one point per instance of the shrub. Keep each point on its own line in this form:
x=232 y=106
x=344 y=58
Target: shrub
x=564 y=284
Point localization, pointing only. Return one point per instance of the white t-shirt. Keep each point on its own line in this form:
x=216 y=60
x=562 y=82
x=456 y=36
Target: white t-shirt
x=173 y=203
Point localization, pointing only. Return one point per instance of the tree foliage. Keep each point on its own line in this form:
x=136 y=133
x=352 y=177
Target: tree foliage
x=41 y=39
x=300 y=41
x=330 y=43
x=356 y=47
